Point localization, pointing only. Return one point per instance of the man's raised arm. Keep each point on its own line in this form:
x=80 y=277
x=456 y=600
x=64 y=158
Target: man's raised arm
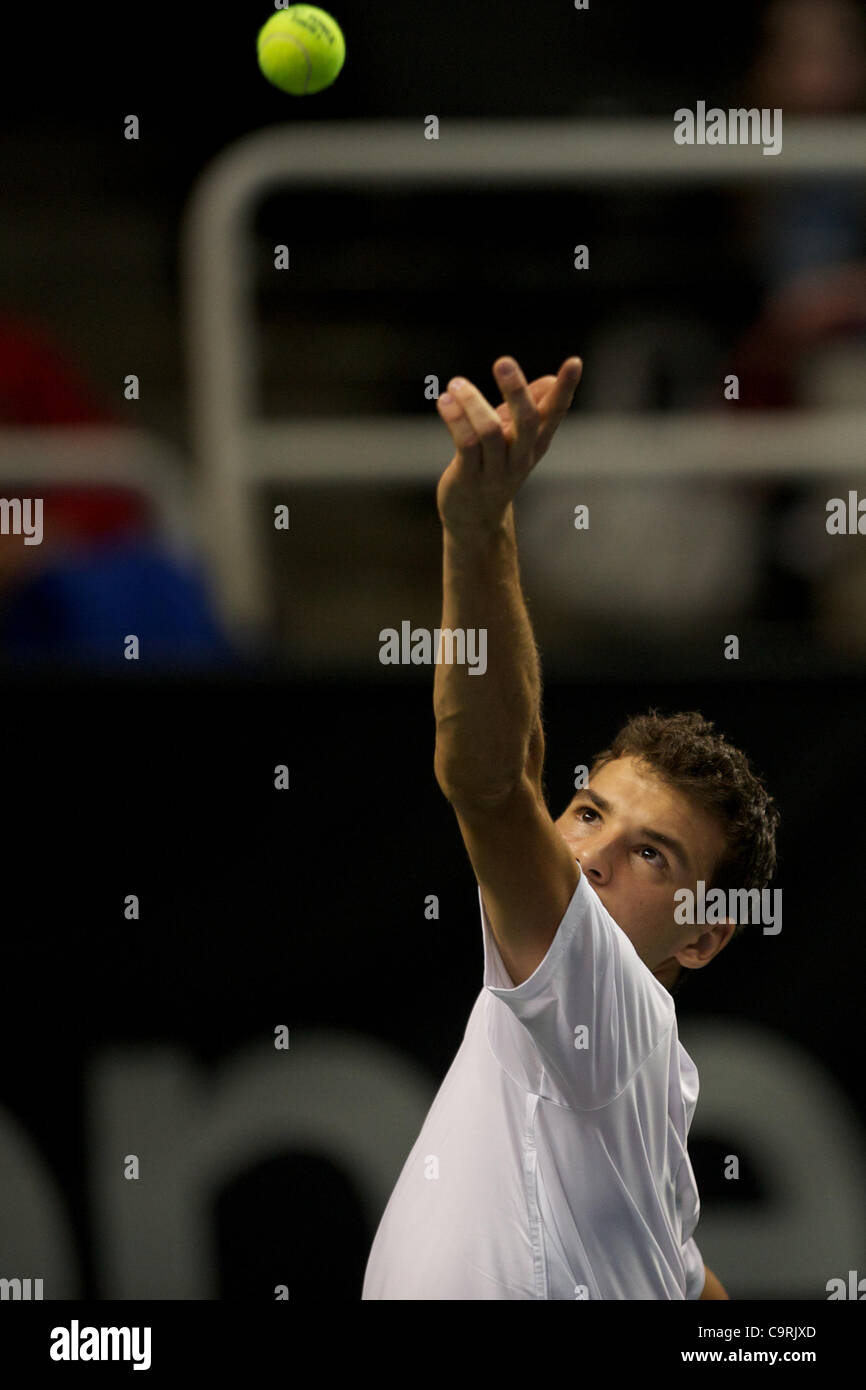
x=489 y=741
x=485 y=718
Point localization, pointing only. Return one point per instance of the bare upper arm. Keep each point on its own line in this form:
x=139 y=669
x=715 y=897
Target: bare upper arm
x=535 y=757
x=713 y=1287
x=526 y=872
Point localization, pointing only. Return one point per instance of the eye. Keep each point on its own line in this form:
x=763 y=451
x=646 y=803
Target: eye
x=659 y=862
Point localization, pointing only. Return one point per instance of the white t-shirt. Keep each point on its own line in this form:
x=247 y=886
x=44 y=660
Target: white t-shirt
x=553 y=1162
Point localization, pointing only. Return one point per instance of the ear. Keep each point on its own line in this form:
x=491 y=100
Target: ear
x=706 y=944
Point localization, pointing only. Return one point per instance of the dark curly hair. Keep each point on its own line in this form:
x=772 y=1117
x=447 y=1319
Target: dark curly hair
x=687 y=753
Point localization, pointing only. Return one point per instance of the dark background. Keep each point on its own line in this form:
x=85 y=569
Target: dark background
x=307 y=907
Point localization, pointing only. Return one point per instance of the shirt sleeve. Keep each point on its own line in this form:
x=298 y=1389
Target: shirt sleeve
x=693 y=1263
x=592 y=1010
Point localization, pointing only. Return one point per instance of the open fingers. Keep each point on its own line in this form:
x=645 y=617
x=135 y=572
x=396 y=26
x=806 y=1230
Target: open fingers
x=520 y=429
x=555 y=405
x=538 y=389
x=482 y=420
x=460 y=428
x=522 y=406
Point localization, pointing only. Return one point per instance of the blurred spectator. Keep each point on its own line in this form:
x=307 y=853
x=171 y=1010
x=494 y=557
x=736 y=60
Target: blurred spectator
x=38 y=386
x=101 y=571
x=774 y=358
x=813 y=63
x=672 y=554
x=808 y=238
x=807 y=346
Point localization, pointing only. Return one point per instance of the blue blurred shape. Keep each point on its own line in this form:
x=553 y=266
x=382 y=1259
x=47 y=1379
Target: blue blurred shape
x=82 y=608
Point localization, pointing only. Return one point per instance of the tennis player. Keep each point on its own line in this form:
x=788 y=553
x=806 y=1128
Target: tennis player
x=553 y=1163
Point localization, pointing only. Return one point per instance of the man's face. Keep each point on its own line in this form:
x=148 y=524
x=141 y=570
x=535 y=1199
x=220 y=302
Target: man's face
x=638 y=841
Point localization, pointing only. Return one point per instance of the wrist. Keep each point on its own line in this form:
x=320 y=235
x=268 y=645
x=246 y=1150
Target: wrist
x=479 y=533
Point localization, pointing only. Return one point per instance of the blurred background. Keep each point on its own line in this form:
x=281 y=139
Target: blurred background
x=154 y=1034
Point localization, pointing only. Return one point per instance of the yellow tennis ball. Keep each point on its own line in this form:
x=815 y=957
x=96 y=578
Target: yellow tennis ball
x=301 y=49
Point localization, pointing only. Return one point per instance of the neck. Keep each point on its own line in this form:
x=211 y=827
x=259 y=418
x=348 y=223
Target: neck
x=669 y=973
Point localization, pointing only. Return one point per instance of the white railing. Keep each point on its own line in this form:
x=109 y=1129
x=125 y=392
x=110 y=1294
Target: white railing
x=77 y=455
x=596 y=445
x=234 y=451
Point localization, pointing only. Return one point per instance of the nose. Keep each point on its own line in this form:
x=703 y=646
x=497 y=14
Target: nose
x=595 y=862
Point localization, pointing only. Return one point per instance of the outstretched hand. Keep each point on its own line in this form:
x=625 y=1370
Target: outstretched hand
x=498 y=448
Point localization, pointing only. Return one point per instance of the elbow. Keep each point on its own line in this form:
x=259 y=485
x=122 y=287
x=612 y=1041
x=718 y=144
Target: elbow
x=462 y=790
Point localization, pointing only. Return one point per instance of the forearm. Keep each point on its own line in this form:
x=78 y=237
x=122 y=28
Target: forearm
x=485 y=723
